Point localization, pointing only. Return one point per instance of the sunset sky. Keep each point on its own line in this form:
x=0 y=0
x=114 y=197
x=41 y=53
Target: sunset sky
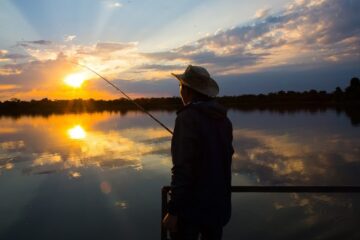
x=256 y=46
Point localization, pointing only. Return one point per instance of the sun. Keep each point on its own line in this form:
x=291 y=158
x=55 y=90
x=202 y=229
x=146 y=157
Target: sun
x=75 y=80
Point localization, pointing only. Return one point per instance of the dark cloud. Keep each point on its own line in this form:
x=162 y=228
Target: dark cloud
x=157 y=67
x=170 y=55
x=331 y=29
x=329 y=33
x=12 y=56
x=234 y=60
x=40 y=42
x=293 y=78
x=9 y=69
x=340 y=20
x=328 y=23
x=36 y=42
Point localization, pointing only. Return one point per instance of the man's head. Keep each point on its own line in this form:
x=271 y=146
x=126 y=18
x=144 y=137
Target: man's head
x=196 y=83
x=188 y=94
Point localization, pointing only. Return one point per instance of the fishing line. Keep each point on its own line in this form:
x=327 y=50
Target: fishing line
x=127 y=96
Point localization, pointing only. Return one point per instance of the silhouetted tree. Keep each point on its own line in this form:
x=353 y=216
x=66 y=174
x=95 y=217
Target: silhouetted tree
x=15 y=100
x=338 y=94
x=353 y=91
x=338 y=90
x=355 y=82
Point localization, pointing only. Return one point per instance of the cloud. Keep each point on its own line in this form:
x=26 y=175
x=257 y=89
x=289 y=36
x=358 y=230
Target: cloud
x=114 y=46
x=307 y=35
x=7 y=87
x=34 y=76
x=6 y=56
x=303 y=34
x=103 y=50
x=9 y=69
x=69 y=38
x=263 y=12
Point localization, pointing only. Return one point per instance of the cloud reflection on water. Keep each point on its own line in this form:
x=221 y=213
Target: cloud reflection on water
x=269 y=151
x=108 y=141
x=289 y=159
x=74 y=141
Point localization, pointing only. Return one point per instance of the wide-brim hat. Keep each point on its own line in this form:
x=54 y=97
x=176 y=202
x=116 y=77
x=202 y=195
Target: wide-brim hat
x=199 y=79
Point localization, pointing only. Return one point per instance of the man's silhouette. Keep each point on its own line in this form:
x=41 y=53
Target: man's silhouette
x=201 y=151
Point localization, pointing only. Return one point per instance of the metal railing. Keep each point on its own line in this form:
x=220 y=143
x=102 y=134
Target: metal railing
x=263 y=189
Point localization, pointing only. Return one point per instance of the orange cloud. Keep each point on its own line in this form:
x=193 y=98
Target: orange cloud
x=7 y=87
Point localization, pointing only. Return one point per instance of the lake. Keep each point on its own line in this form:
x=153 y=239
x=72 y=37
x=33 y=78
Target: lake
x=99 y=175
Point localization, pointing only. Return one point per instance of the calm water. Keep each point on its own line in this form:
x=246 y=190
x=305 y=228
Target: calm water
x=98 y=176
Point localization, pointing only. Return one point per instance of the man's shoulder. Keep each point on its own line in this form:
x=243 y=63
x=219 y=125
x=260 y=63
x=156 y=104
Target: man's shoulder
x=186 y=110
x=204 y=110
x=187 y=115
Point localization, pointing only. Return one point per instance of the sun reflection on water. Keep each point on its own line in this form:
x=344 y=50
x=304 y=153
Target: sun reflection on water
x=77 y=132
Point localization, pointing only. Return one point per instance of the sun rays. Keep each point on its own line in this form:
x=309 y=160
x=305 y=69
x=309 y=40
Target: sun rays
x=75 y=80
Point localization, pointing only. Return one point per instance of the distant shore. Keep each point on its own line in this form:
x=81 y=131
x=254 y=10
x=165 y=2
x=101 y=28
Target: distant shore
x=347 y=101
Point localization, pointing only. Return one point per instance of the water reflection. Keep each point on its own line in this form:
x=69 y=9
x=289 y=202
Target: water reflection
x=284 y=150
x=103 y=163
x=74 y=174
x=105 y=187
x=278 y=158
x=77 y=132
x=294 y=216
x=121 y=204
x=47 y=145
x=269 y=148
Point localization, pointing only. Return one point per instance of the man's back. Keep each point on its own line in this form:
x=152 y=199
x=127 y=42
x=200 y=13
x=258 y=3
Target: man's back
x=201 y=175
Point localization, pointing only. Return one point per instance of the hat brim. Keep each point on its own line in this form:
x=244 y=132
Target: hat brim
x=178 y=76
x=211 y=93
x=181 y=78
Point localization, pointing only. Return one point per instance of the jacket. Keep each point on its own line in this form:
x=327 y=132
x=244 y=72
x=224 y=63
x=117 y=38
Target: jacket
x=201 y=150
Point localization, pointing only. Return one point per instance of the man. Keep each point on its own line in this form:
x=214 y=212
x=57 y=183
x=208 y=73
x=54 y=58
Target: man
x=201 y=151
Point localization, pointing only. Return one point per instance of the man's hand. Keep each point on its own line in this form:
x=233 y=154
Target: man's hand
x=170 y=222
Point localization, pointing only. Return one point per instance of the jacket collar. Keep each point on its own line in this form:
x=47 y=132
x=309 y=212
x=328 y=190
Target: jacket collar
x=190 y=104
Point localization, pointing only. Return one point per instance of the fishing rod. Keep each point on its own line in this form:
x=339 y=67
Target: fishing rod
x=127 y=96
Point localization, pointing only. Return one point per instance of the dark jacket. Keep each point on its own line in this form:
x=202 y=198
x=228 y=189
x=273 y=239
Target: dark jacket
x=201 y=151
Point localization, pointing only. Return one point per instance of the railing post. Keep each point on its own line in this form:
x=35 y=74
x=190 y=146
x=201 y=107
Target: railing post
x=164 y=201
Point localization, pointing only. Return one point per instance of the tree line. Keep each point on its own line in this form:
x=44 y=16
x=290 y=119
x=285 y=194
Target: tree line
x=288 y=100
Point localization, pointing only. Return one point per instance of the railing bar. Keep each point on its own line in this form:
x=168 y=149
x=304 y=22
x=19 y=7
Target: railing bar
x=297 y=189
x=265 y=189
x=314 y=189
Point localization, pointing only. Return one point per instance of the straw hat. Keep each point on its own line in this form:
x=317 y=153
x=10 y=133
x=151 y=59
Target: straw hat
x=198 y=78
